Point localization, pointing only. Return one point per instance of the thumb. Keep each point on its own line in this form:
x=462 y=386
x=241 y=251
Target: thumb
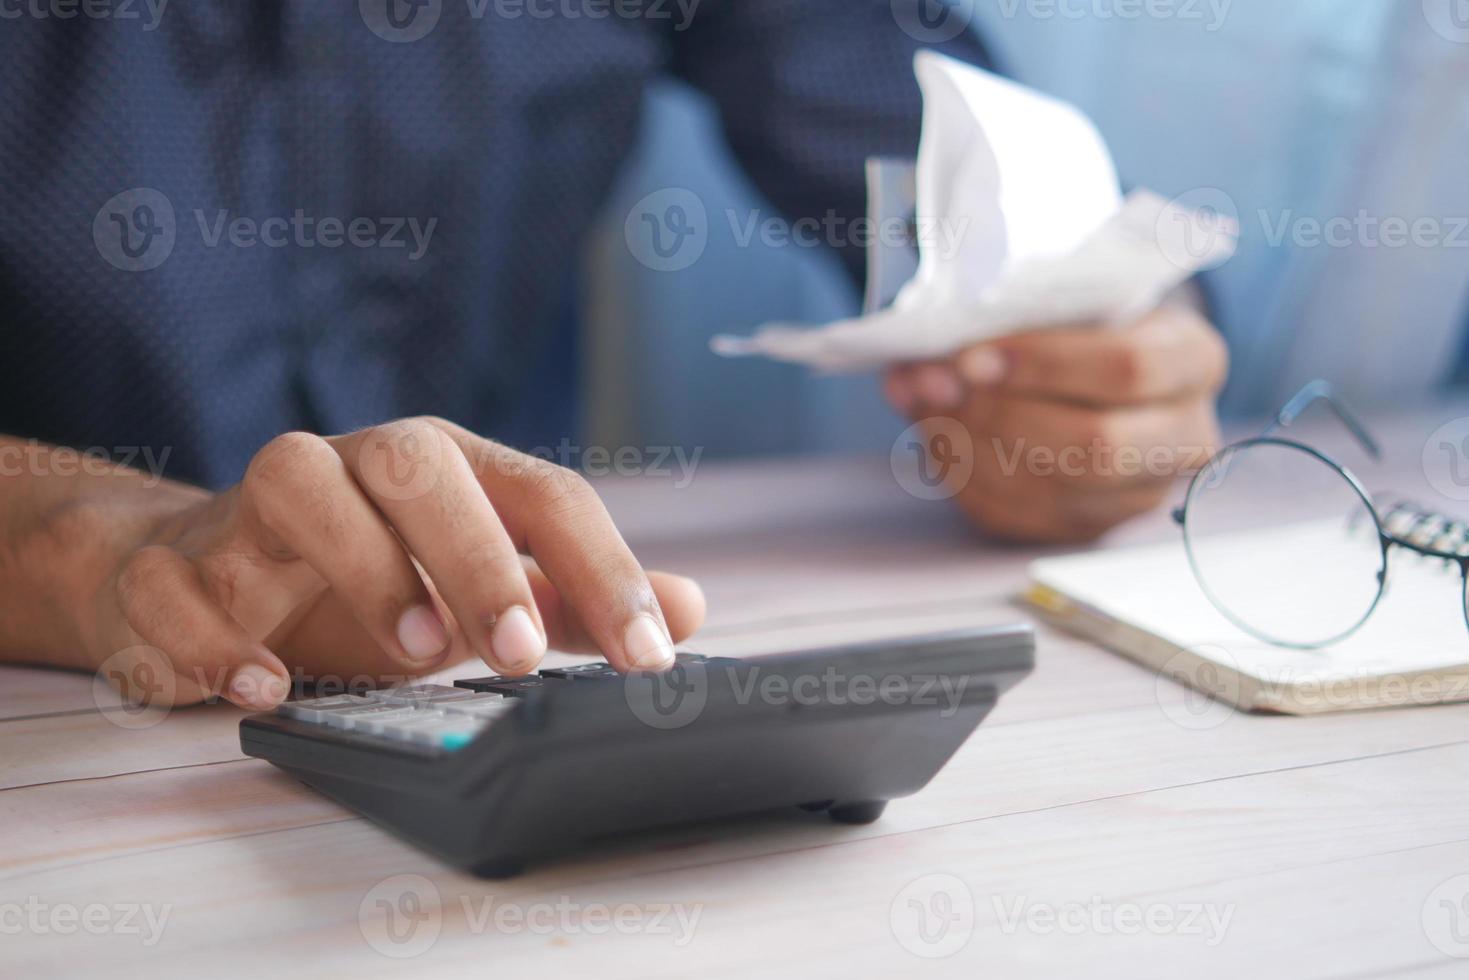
x=207 y=654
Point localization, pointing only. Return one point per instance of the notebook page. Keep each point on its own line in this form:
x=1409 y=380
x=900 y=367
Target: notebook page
x=1418 y=626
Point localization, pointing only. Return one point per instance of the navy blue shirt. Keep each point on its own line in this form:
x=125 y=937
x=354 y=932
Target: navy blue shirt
x=251 y=217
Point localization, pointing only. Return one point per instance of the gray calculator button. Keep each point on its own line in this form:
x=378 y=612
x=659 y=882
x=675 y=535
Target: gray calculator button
x=431 y=728
x=350 y=718
x=316 y=709
x=477 y=706
x=378 y=723
x=581 y=671
x=420 y=694
x=398 y=726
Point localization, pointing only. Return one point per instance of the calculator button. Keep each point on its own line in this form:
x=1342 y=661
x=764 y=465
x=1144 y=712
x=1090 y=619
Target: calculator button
x=447 y=738
x=350 y=719
x=478 y=706
x=315 y=710
x=689 y=658
x=456 y=740
x=595 y=671
x=380 y=722
x=419 y=694
x=400 y=728
x=511 y=687
x=432 y=731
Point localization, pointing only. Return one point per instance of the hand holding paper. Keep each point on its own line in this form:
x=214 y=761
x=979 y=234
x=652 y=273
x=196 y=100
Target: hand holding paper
x=1041 y=426
x=1036 y=233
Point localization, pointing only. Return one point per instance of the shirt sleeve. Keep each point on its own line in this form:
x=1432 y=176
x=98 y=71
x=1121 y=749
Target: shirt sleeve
x=807 y=90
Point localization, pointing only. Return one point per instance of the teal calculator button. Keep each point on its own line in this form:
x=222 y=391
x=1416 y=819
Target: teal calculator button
x=456 y=740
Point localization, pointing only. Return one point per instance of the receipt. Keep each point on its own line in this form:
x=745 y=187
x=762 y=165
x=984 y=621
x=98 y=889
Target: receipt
x=1019 y=223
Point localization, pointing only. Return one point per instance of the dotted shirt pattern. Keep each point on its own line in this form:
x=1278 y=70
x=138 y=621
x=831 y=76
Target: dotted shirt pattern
x=497 y=134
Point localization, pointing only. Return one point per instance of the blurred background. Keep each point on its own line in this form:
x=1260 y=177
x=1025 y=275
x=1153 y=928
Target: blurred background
x=1313 y=120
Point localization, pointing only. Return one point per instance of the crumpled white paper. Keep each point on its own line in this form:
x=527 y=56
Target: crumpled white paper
x=1035 y=233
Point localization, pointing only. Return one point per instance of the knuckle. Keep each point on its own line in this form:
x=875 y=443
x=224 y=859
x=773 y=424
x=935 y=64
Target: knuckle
x=1098 y=432
x=1189 y=339
x=486 y=456
x=142 y=572
x=1216 y=359
x=489 y=571
x=1205 y=443
x=556 y=487
x=489 y=596
x=284 y=475
x=1131 y=368
x=280 y=461
x=408 y=436
x=401 y=460
x=225 y=572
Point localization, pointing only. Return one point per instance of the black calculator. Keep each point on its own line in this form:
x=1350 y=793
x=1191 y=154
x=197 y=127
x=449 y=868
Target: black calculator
x=497 y=772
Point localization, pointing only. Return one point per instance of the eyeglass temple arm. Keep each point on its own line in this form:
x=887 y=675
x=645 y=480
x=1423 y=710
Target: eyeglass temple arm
x=1322 y=391
x=1316 y=391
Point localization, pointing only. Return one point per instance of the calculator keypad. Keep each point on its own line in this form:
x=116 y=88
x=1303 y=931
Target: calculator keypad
x=424 y=715
x=421 y=694
x=357 y=719
x=510 y=687
x=515 y=687
x=476 y=706
x=581 y=672
x=316 y=709
x=437 y=716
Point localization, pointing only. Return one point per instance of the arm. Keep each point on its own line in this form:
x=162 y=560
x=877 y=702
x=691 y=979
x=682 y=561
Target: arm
x=61 y=515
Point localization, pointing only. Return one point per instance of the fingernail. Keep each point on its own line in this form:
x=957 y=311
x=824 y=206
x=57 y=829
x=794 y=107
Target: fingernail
x=983 y=366
x=646 y=645
x=941 y=388
x=422 y=634
x=515 y=642
x=254 y=686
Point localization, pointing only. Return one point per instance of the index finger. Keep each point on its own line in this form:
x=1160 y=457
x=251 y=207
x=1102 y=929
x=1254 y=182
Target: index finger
x=553 y=514
x=1170 y=353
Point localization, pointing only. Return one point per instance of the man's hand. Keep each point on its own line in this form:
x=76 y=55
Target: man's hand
x=1075 y=430
x=389 y=552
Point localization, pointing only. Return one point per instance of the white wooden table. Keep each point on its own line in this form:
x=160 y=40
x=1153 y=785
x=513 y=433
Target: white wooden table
x=1082 y=831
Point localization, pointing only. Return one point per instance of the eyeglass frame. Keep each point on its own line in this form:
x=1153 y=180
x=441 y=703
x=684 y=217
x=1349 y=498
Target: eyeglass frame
x=1321 y=391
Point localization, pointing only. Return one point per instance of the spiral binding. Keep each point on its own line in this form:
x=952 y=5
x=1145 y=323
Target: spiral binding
x=1427 y=532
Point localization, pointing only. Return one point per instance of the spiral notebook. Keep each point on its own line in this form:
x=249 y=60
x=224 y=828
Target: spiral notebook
x=1144 y=603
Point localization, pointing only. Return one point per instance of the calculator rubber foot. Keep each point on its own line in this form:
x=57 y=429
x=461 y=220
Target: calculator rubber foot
x=820 y=806
x=858 y=813
x=499 y=869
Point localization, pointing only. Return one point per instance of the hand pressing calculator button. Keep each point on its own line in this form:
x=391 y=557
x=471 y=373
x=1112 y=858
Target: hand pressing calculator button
x=496 y=771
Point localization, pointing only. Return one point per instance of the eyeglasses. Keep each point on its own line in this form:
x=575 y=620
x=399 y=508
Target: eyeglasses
x=1304 y=585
